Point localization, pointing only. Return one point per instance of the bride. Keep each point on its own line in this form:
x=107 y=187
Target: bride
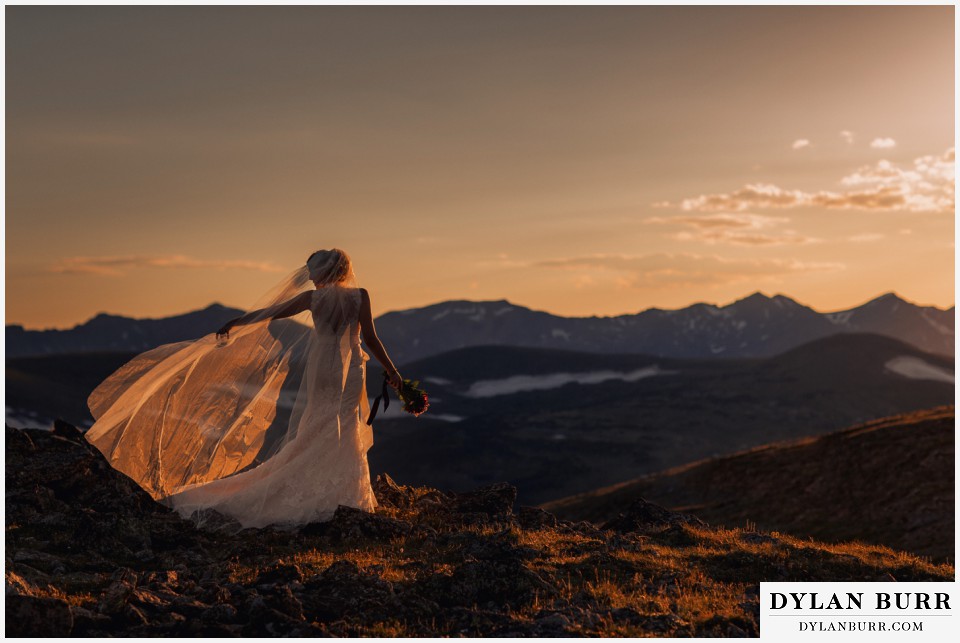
x=264 y=421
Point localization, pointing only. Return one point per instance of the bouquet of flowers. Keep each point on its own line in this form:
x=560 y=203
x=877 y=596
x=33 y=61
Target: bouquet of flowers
x=413 y=397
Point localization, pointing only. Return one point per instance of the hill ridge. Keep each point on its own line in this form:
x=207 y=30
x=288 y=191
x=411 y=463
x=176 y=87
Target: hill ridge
x=724 y=489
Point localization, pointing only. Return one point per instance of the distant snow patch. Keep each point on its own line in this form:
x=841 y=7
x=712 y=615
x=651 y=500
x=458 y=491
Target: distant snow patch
x=917 y=369
x=943 y=330
x=23 y=419
x=395 y=412
x=500 y=311
x=443 y=417
x=557 y=332
x=432 y=379
x=839 y=319
x=518 y=383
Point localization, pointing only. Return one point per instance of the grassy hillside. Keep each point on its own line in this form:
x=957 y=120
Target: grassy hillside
x=90 y=554
x=887 y=482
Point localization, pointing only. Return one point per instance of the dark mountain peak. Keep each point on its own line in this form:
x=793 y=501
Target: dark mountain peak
x=216 y=307
x=451 y=303
x=757 y=296
x=756 y=302
x=762 y=305
x=886 y=299
x=700 y=305
x=459 y=308
x=101 y=316
x=890 y=296
x=104 y=320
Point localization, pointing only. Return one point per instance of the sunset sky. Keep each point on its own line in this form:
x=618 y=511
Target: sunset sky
x=579 y=160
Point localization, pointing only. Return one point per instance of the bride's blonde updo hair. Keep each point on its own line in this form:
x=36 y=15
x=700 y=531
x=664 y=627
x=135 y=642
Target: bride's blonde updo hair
x=329 y=267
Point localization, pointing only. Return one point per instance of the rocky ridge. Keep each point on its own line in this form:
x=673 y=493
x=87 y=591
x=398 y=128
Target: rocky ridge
x=88 y=553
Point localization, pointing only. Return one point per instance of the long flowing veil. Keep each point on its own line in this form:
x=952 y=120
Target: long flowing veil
x=188 y=413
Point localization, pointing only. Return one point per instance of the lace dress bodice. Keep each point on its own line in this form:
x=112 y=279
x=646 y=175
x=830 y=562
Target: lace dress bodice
x=334 y=308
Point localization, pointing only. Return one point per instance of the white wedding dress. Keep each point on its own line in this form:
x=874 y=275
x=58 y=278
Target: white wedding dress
x=269 y=429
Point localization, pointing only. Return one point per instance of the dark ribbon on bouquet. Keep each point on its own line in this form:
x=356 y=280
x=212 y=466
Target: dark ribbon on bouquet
x=385 y=396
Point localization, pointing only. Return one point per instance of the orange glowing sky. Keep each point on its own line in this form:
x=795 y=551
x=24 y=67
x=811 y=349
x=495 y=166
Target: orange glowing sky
x=580 y=160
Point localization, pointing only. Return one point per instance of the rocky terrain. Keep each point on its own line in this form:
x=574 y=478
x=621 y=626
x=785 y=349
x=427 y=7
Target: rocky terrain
x=889 y=481
x=88 y=553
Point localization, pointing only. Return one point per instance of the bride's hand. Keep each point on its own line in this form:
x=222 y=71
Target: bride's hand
x=225 y=329
x=394 y=379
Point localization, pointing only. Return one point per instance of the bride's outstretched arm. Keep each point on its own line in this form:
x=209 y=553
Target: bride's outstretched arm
x=288 y=308
x=369 y=333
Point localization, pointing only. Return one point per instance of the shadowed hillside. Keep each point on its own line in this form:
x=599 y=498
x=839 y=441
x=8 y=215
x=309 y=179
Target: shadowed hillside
x=888 y=482
x=576 y=437
x=52 y=386
x=91 y=554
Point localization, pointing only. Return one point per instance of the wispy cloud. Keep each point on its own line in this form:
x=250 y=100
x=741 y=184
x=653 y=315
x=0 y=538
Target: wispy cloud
x=867 y=237
x=739 y=220
x=734 y=228
x=883 y=143
x=766 y=195
x=800 y=143
x=120 y=265
x=684 y=269
x=926 y=186
x=847 y=135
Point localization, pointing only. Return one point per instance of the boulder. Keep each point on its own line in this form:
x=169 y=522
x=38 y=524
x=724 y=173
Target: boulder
x=349 y=524
x=390 y=494
x=494 y=500
x=37 y=616
x=643 y=516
